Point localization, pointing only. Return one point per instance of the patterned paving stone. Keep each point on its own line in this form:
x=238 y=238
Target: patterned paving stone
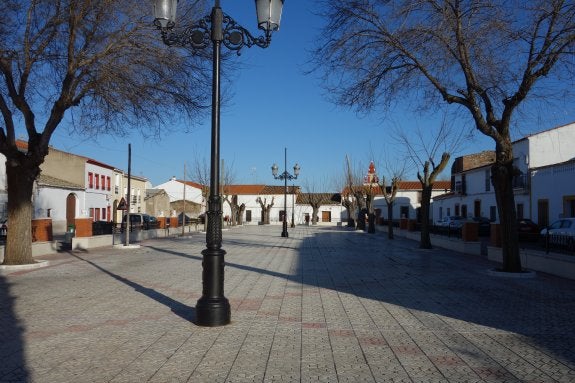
x=324 y=305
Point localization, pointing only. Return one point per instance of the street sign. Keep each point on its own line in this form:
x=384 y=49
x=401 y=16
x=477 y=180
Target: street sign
x=122 y=205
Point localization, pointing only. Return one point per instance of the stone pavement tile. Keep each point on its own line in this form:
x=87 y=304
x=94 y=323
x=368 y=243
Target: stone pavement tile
x=252 y=358
x=284 y=362
x=324 y=305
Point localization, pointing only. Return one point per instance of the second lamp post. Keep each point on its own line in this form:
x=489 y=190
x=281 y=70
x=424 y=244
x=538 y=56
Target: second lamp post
x=285 y=176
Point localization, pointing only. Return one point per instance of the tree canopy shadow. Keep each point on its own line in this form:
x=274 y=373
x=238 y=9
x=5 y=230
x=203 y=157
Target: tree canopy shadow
x=12 y=343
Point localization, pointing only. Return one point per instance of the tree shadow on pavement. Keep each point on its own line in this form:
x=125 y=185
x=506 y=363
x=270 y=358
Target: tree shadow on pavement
x=455 y=287
x=12 y=358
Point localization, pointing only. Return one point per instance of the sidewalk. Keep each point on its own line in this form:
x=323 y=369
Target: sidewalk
x=326 y=304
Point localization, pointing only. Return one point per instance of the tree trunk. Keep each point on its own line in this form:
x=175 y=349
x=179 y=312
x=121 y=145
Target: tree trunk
x=390 y=220
x=20 y=181
x=425 y=240
x=502 y=178
x=266 y=216
x=314 y=217
x=241 y=214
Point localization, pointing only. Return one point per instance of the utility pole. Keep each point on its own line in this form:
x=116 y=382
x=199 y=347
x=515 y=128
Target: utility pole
x=128 y=197
x=184 y=204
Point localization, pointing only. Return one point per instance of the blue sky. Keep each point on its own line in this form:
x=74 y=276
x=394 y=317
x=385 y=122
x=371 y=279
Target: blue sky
x=275 y=105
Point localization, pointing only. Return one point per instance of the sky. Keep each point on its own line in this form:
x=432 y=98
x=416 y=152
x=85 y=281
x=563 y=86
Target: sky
x=275 y=105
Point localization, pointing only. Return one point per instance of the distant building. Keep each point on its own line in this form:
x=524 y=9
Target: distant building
x=330 y=212
x=544 y=183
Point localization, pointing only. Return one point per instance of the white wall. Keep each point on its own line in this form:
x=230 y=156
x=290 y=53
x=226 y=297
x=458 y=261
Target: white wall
x=552 y=146
x=552 y=183
x=97 y=198
x=405 y=198
x=175 y=190
x=55 y=200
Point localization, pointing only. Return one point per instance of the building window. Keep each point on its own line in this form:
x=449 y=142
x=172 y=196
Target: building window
x=456 y=209
x=248 y=216
x=569 y=206
x=48 y=213
x=108 y=179
x=464 y=211
x=487 y=180
x=97 y=181
x=92 y=213
x=493 y=213
x=103 y=214
x=104 y=183
x=90 y=180
x=404 y=212
x=520 y=211
x=440 y=212
x=282 y=215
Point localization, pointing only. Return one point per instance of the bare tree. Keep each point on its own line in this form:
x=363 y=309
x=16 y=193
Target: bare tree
x=389 y=193
x=313 y=198
x=353 y=195
x=228 y=180
x=266 y=209
x=98 y=65
x=423 y=149
x=200 y=174
x=484 y=56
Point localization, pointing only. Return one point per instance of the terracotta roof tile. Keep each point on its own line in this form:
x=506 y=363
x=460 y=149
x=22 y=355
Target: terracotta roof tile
x=45 y=180
x=243 y=189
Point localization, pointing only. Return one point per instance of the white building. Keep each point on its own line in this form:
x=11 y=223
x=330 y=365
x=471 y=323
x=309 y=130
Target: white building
x=553 y=192
x=57 y=199
x=254 y=196
x=330 y=211
x=98 y=202
x=407 y=203
x=544 y=186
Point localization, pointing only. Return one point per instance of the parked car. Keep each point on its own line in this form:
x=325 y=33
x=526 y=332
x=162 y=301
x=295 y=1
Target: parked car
x=451 y=222
x=561 y=232
x=140 y=221
x=528 y=230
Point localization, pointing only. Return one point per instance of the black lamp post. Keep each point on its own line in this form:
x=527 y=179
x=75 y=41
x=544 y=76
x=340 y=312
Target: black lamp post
x=213 y=308
x=285 y=176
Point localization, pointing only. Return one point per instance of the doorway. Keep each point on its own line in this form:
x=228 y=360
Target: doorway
x=70 y=210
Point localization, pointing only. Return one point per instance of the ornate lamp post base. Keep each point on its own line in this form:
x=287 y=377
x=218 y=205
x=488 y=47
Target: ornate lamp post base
x=212 y=312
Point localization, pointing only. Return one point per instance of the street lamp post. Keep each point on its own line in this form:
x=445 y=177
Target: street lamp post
x=213 y=308
x=285 y=176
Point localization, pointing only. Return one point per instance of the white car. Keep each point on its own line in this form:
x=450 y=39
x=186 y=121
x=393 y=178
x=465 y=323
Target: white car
x=561 y=231
x=451 y=221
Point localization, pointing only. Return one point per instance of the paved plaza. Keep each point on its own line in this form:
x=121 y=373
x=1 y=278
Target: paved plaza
x=326 y=304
